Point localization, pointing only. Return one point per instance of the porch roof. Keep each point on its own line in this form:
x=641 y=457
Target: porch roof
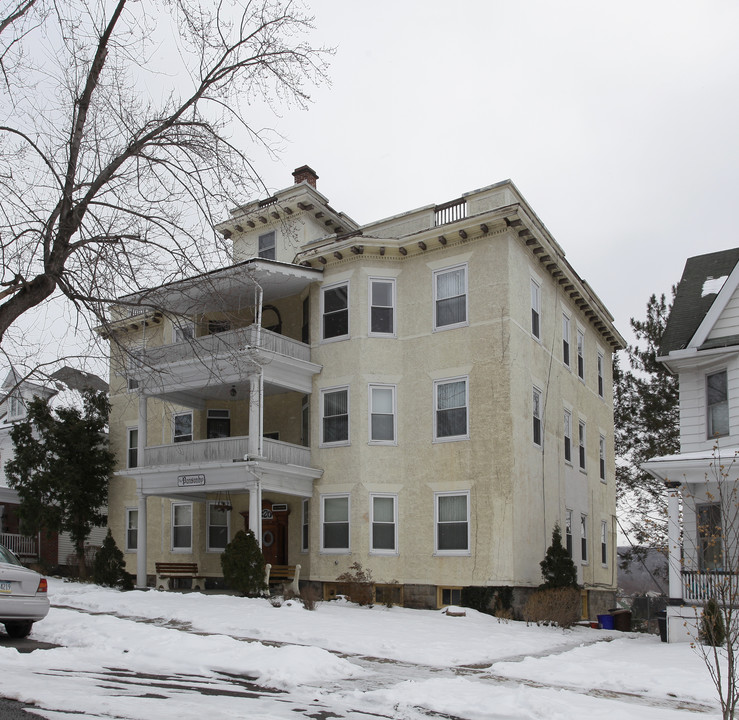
x=695 y=467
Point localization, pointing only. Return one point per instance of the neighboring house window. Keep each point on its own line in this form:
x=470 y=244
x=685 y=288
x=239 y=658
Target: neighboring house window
x=568 y=435
x=16 y=407
x=335 y=416
x=384 y=524
x=537 y=416
x=182 y=427
x=182 y=332
x=267 y=246
x=602 y=457
x=335 y=311
x=382 y=414
x=450 y=409
x=718 y=404
x=182 y=526
x=133 y=447
x=566 y=340
x=584 y=538
x=452 y=523
x=600 y=374
x=132 y=529
x=581 y=438
x=305 y=525
x=535 y=309
x=604 y=543
x=581 y=354
x=450 y=297
x=710 y=555
x=335 y=523
x=218 y=527
x=382 y=306
x=568 y=531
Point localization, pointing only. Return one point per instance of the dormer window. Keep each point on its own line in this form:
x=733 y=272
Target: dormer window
x=16 y=407
x=267 y=246
x=717 y=402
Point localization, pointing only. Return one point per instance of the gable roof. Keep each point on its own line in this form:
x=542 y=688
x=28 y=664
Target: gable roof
x=697 y=291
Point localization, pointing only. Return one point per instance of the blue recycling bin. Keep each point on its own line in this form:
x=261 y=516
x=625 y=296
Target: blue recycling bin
x=606 y=622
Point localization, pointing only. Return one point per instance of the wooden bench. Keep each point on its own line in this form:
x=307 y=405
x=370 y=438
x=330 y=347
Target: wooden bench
x=283 y=574
x=168 y=570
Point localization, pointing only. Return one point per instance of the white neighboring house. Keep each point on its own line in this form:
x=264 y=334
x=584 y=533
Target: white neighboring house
x=63 y=388
x=701 y=346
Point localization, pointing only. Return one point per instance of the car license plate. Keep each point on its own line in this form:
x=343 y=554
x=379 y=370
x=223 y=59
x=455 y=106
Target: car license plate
x=4 y=587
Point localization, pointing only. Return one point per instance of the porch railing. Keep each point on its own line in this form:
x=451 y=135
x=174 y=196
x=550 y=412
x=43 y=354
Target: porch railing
x=224 y=450
x=701 y=586
x=21 y=545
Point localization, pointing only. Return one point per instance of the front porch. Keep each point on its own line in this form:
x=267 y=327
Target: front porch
x=23 y=546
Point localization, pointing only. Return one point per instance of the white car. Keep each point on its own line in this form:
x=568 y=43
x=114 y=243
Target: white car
x=23 y=598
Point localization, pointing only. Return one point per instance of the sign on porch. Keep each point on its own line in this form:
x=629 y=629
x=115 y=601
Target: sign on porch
x=187 y=480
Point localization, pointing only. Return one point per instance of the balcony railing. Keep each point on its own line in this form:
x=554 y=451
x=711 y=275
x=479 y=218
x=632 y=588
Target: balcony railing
x=21 y=545
x=701 y=586
x=450 y=212
x=224 y=450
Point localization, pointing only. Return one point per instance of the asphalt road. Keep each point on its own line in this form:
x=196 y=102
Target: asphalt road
x=10 y=709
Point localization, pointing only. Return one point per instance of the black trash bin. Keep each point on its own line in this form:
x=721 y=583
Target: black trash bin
x=662 y=622
x=621 y=619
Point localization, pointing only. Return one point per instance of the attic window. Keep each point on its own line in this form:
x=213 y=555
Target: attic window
x=16 y=407
x=267 y=246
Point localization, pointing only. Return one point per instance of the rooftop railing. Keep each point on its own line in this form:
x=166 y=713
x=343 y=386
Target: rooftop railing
x=450 y=212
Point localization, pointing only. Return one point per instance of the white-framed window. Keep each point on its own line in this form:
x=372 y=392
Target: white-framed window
x=580 y=354
x=450 y=297
x=599 y=368
x=267 y=245
x=451 y=409
x=382 y=412
x=568 y=435
x=568 y=531
x=132 y=454
x=382 y=307
x=566 y=339
x=710 y=534
x=305 y=421
x=182 y=527
x=133 y=363
x=581 y=443
x=219 y=524
x=182 y=427
x=132 y=529
x=335 y=416
x=384 y=524
x=535 y=309
x=305 y=525
x=335 y=311
x=536 y=414
x=16 y=407
x=604 y=543
x=452 y=520
x=183 y=330
x=602 y=457
x=717 y=401
x=584 y=538
x=335 y=524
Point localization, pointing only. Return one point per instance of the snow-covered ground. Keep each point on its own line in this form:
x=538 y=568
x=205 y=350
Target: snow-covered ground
x=145 y=655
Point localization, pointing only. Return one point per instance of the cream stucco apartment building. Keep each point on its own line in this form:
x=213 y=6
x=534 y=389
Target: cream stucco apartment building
x=426 y=395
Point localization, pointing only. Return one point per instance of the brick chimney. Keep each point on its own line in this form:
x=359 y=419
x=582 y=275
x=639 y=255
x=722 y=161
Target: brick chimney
x=307 y=173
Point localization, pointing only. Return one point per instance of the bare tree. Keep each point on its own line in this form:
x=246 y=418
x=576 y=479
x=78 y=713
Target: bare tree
x=116 y=152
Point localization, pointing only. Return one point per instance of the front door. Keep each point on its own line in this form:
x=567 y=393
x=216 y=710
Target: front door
x=274 y=532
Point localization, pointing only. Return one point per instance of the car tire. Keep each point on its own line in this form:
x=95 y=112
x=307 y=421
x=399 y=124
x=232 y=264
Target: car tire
x=19 y=629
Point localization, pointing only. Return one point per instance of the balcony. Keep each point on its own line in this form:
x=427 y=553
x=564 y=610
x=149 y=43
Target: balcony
x=700 y=586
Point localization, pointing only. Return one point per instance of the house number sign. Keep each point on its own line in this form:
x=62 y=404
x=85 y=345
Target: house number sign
x=266 y=514
x=188 y=480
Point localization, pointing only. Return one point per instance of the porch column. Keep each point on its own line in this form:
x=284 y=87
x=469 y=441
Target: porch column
x=141 y=543
x=254 y=444
x=255 y=508
x=141 y=430
x=673 y=541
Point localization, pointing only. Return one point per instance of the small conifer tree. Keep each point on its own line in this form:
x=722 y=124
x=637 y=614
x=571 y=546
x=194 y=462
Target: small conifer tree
x=712 y=629
x=109 y=567
x=243 y=564
x=557 y=567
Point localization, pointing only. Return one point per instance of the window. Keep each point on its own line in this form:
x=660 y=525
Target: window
x=335 y=416
x=710 y=555
x=602 y=457
x=581 y=436
x=452 y=523
x=218 y=424
x=382 y=306
x=568 y=531
x=600 y=374
x=132 y=529
x=384 y=522
x=449 y=596
x=450 y=411
x=267 y=246
x=183 y=331
x=218 y=326
x=133 y=362
x=535 y=309
x=182 y=527
x=182 y=427
x=450 y=297
x=568 y=435
x=584 y=538
x=537 y=416
x=718 y=404
x=382 y=414
x=335 y=523
x=305 y=422
x=335 y=311
x=581 y=354
x=16 y=406
x=566 y=340
x=604 y=543
x=218 y=527
x=305 y=330
x=133 y=447
x=305 y=525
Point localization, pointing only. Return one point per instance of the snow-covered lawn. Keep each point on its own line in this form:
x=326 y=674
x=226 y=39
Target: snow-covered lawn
x=164 y=655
